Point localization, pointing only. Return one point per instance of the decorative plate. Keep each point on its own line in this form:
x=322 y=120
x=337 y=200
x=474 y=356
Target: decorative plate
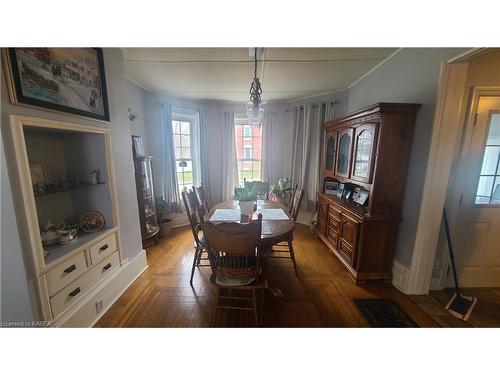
x=92 y=221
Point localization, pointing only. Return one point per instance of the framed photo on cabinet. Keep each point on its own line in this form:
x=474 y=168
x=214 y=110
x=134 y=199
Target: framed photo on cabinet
x=68 y=80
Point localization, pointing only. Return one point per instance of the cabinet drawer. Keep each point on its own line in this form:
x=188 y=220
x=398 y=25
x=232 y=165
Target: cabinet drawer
x=103 y=248
x=349 y=230
x=65 y=273
x=333 y=237
x=80 y=286
x=335 y=212
x=334 y=223
x=346 y=251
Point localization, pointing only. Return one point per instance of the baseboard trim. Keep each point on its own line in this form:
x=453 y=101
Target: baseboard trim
x=400 y=274
x=84 y=313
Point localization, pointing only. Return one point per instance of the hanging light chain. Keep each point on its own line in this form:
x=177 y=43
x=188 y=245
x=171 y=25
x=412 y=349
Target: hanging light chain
x=255 y=88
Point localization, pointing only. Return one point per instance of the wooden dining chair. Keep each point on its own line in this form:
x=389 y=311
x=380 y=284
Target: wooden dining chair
x=233 y=251
x=259 y=186
x=292 y=196
x=284 y=248
x=203 y=205
x=191 y=206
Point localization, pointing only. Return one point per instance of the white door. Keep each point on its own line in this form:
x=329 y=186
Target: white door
x=478 y=233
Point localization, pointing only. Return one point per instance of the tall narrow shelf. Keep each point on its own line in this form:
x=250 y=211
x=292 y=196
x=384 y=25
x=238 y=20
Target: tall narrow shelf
x=56 y=175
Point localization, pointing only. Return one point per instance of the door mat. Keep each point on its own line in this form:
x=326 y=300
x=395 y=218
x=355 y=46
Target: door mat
x=384 y=313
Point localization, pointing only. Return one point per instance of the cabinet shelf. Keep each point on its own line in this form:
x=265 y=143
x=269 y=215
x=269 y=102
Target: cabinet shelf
x=72 y=188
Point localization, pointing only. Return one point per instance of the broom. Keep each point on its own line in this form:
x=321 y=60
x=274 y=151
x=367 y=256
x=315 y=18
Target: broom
x=459 y=306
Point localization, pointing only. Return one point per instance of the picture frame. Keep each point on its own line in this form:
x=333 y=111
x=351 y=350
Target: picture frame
x=138 y=146
x=38 y=173
x=331 y=187
x=360 y=196
x=66 y=80
x=340 y=190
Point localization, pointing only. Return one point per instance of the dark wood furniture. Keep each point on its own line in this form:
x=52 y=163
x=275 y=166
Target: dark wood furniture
x=146 y=200
x=284 y=248
x=273 y=231
x=233 y=251
x=369 y=150
x=203 y=204
x=195 y=221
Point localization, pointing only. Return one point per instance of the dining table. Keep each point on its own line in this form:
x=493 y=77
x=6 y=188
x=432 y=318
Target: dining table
x=275 y=226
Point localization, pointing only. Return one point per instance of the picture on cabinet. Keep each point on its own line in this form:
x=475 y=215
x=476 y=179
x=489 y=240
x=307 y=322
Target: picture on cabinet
x=331 y=187
x=69 y=80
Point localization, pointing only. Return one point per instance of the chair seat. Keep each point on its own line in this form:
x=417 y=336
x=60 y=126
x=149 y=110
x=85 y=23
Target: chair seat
x=256 y=282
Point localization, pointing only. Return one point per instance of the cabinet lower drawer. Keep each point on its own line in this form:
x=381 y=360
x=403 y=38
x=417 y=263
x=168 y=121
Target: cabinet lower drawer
x=80 y=286
x=65 y=273
x=346 y=251
x=103 y=248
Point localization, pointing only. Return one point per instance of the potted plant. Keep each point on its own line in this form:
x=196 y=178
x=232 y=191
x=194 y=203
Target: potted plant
x=246 y=197
x=279 y=191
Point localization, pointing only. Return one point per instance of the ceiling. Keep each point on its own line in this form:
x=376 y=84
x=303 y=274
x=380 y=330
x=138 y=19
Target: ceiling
x=225 y=74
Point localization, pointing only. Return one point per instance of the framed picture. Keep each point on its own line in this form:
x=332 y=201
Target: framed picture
x=340 y=190
x=360 y=196
x=38 y=174
x=331 y=187
x=68 y=80
x=138 y=146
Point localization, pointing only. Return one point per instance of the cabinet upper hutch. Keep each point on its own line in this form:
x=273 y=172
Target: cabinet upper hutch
x=366 y=153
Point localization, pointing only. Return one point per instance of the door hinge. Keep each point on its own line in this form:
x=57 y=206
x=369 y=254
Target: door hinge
x=461 y=199
x=475 y=119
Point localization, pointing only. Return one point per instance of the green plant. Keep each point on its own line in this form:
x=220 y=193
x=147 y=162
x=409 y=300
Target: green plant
x=281 y=187
x=246 y=194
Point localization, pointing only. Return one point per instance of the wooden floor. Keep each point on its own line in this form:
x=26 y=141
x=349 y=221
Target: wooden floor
x=486 y=313
x=320 y=296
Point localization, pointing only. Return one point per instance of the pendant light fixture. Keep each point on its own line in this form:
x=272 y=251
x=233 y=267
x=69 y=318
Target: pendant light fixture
x=255 y=107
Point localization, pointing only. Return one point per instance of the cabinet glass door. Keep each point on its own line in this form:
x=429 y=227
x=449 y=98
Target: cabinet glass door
x=344 y=157
x=331 y=151
x=363 y=152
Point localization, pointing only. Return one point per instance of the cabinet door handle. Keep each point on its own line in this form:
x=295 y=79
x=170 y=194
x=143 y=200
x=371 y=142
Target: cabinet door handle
x=70 y=269
x=102 y=248
x=106 y=267
x=75 y=292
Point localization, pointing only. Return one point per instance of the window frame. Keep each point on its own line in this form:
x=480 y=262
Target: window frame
x=496 y=175
x=189 y=119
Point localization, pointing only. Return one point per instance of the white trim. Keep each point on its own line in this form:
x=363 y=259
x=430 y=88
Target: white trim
x=446 y=131
x=466 y=55
x=83 y=314
x=400 y=274
x=374 y=68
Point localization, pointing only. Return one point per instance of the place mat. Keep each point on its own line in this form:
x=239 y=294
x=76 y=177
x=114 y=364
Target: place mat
x=266 y=230
x=226 y=214
x=261 y=202
x=273 y=214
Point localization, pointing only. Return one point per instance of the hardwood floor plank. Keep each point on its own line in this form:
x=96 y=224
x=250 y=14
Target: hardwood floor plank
x=320 y=296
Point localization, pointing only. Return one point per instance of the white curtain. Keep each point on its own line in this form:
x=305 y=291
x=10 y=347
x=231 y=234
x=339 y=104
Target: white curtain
x=229 y=163
x=168 y=172
x=267 y=147
x=202 y=154
x=306 y=149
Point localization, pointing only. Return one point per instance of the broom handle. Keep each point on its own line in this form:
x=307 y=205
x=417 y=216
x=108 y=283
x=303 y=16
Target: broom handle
x=450 y=250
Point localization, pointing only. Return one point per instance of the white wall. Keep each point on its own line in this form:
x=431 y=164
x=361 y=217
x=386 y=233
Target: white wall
x=409 y=76
x=14 y=295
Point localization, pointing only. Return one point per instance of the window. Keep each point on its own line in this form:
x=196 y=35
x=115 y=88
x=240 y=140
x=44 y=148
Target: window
x=488 y=188
x=247 y=132
x=182 y=130
x=248 y=150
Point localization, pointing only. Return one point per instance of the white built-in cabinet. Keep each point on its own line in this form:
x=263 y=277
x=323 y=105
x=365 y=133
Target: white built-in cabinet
x=67 y=274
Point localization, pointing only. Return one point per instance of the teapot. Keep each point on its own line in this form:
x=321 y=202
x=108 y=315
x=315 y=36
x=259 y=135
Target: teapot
x=66 y=235
x=50 y=234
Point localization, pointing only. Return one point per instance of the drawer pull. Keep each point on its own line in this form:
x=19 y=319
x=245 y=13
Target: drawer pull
x=106 y=267
x=75 y=292
x=70 y=269
x=102 y=248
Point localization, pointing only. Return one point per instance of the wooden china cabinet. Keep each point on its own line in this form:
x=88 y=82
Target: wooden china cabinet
x=367 y=154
